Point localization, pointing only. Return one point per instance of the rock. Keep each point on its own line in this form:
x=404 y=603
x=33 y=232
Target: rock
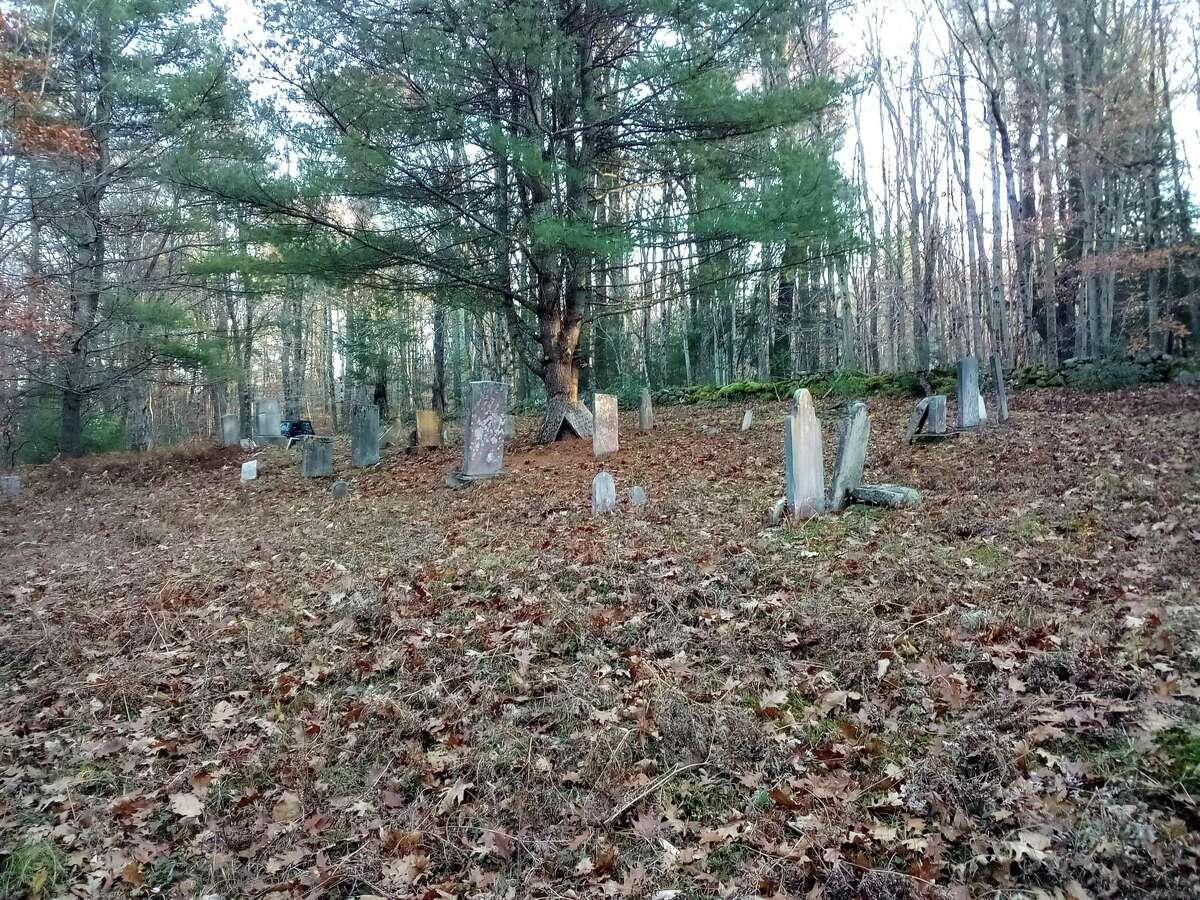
x=339 y=488
x=11 y=486
x=893 y=496
x=250 y=470
x=969 y=398
x=604 y=494
x=803 y=459
x=646 y=412
x=975 y=619
x=316 y=457
x=637 y=496
x=747 y=419
x=1001 y=390
x=1185 y=377
x=364 y=433
x=604 y=425
x=851 y=455
x=916 y=421
x=429 y=428
x=777 y=511
x=483 y=438
x=231 y=429
x=247 y=445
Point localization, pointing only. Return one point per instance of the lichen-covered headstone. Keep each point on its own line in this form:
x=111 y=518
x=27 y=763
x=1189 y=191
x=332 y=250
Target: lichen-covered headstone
x=483 y=440
x=604 y=425
x=637 y=496
x=316 y=457
x=969 y=398
x=1001 y=390
x=429 y=428
x=266 y=421
x=231 y=429
x=646 y=412
x=851 y=455
x=803 y=459
x=747 y=419
x=10 y=486
x=604 y=494
x=364 y=434
x=339 y=488
x=250 y=470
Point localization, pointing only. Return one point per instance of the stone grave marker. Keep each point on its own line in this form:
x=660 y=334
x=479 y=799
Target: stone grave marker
x=892 y=496
x=339 y=488
x=935 y=423
x=364 y=434
x=316 y=457
x=10 y=486
x=604 y=494
x=803 y=459
x=429 y=428
x=250 y=470
x=637 y=496
x=851 y=455
x=231 y=429
x=266 y=421
x=747 y=419
x=646 y=412
x=483 y=438
x=970 y=400
x=604 y=425
x=916 y=421
x=1001 y=390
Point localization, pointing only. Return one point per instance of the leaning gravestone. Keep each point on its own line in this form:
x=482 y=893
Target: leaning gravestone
x=934 y=425
x=604 y=494
x=970 y=401
x=316 y=457
x=483 y=439
x=250 y=470
x=604 y=425
x=266 y=421
x=429 y=428
x=803 y=459
x=364 y=434
x=851 y=455
x=10 y=486
x=747 y=419
x=916 y=421
x=231 y=429
x=646 y=412
x=1001 y=390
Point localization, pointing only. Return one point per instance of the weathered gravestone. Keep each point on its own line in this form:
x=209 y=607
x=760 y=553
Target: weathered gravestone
x=10 y=486
x=803 y=459
x=1001 y=390
x=933 y=428
x=364 y=434
x=646 y=412
x=604 y=425
x=747 y=419
x=892 y=496
x=250 y=470
x=483 y=438
x=316 y=457
x=429 y=428
x=851 y=454
x=604 y=494
x=916 y=421
x=266 y=421
x=231 y=429
x=970 y=401
x=339 y=488
x=637 y=496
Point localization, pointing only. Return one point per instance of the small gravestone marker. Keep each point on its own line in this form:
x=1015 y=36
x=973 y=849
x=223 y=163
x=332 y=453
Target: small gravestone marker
x=604 y=494
x=266 y=421
x=339 y=488
x=364 y=434
x=747 y=419
x=510 y=426
x=892 y=496
x=916 y=421
x=646 y=412
x=483 y=439
x=1001 y=390
x=637 y=496
x=250 y=470
x=604 y=425
x=803 y=459
x=231 y=429
x=852 y=453
x=10 y=486
x=970 y=400
x=316 y=457
x=429 y=428
x=777 y=511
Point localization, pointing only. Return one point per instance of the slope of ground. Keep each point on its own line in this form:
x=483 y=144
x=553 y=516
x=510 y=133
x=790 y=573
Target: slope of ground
x=210 y=688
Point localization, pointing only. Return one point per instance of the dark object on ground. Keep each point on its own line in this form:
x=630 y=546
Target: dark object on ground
x=294 y=428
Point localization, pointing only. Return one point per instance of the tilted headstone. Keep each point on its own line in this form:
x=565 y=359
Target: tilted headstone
x=916 y=421
x=604 y=425
x=10 y=486
x=935 y=423
x=250 y=470
x=364 y=434
x=483 y=439
x=803 y=459
x=339 y=488
x=892 y=496
x=646 y=412
x=969 y=398
x=231 y=429
x=1001 y=390
x=637 y=496
x=747 y=419
x=851 y=455
x=429 y=428
x=316 y=457
x=604 y=494
x=266 y=421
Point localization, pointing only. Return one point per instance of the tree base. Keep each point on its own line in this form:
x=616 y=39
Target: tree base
x=564 y=419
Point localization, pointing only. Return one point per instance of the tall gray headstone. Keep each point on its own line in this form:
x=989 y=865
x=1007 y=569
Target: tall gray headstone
x=487 y=421
x=604 y=425
x=231 y=429
x=803 y=459
x=364 y=434
x=604 y=494
x=316 y=457
x=266 y=421
x=646 y=412
x=747 y=419
x=969 y=399
x=851 y=455
x=935 y=423
x=1001 y=390
x=10 y=486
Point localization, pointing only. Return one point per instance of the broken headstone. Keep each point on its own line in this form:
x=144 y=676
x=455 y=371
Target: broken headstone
x=893 y=496
x=803 y=459
x=851 y=454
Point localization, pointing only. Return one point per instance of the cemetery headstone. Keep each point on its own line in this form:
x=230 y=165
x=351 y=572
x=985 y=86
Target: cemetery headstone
x=747 y=419
x=803 y=459
x=364 y=434
x=429 y=428
x=851 y=455
x=646 y=412
x=250 y=470
x=510 y=426
x=267 y=421
x=936 y=421
x=1001 y=390
x=637 y=495
x=604 y=425
x=339 y=488
x=316 y=457
x=10 y=486
x=892 y=496
x=969 y=398
x=604 y=494
x=916 y=421
x=231 y=429
x=778 y=510
x=483 y=440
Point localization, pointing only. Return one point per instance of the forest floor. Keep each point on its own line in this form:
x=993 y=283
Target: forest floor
x=210 y=688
